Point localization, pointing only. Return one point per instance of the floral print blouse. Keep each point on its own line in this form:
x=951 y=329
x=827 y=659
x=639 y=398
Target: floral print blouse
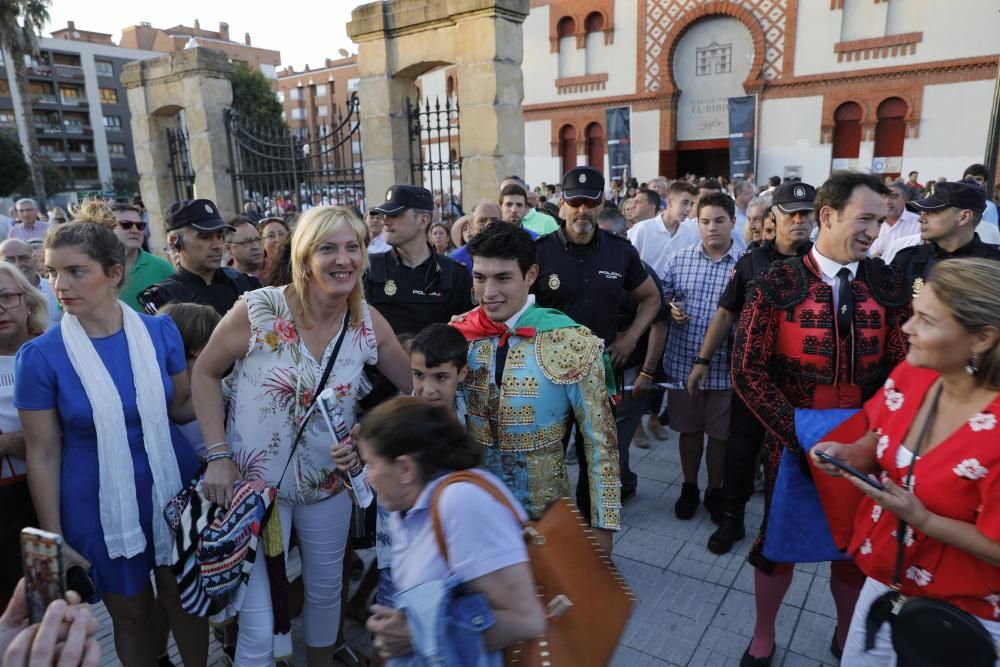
x=272 y=389
x=958 y=479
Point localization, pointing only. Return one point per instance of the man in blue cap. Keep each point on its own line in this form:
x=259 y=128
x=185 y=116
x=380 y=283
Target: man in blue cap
x=948 y=220
x=195 y=229
x=411 y=285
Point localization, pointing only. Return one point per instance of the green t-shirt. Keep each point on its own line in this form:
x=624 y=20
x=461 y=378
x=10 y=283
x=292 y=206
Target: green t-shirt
x=147 y=270
x=538 y=222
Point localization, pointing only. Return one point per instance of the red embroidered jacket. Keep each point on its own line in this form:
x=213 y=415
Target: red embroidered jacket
x=787 y=353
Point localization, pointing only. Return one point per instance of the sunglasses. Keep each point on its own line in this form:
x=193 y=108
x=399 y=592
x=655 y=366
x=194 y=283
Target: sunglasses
x=583 y=202
x=141 y=226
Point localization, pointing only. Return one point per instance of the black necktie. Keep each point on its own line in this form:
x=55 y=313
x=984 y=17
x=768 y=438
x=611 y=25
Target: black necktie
x=501 y=362
x=845 y=301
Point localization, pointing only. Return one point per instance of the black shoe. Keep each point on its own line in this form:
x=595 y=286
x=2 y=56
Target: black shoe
x=627 y=495
x=730 y=530
x=687 y=504
x=750 y=661
x=835 y=647
x=164 y=661
x=714 y=504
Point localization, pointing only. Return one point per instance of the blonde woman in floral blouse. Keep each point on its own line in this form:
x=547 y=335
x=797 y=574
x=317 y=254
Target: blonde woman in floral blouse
x=278 y=340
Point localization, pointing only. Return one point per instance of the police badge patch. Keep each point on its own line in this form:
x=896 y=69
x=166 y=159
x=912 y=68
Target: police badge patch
x=554 y=282
x=390 y=287
x=918 y=284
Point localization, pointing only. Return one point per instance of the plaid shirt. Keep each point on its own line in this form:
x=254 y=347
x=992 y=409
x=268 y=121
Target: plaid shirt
x=694 y=277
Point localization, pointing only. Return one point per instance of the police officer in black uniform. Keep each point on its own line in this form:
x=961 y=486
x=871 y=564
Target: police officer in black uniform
x=411 y=285
x=948 y=220
x=195 y=229
x=583 y=271
x=794 y=219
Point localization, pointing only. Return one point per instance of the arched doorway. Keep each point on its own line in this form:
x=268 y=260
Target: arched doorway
x=567 y=147
x=890 y=134
x=710 y=63
x=846 y=136
x=595 y=147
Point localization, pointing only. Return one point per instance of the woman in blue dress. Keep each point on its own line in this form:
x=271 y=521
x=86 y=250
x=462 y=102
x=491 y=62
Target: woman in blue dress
x=96 y=395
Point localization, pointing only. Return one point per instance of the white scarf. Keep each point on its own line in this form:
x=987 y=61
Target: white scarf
x=123 y=533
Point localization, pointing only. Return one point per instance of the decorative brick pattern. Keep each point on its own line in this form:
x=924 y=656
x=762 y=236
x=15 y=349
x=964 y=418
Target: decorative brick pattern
x=664 y=21
x=871 y=87
x=879 y=47
x=581 y=84
x=578 y=11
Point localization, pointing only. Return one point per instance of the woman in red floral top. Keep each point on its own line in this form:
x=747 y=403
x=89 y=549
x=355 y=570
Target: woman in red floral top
x=952 y=510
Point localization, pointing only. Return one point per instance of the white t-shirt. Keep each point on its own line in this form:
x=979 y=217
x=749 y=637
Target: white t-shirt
x=9 y=423
x=482 y=535
x=656 y=245
x=907 y=225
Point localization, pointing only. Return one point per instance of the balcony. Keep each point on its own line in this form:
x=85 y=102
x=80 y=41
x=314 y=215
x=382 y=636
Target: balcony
x=118 y=156
x=69 y=71
x=74 y=101
x=80 y=156
x=48 y=128
x=44 y=99
x=54 y=156
x=76 y=129
x=38 y=70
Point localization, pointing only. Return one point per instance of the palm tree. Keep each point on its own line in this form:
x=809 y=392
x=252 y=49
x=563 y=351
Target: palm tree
x=21 y=21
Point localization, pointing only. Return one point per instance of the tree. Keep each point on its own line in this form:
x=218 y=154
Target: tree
x=253 y=97
x=20 y=23
x=13 y=168
x=125 y=186
x=55 y=177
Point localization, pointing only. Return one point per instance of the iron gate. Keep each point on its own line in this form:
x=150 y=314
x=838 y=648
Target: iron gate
x=435 y=158
x=180 y=163
x=277 y=167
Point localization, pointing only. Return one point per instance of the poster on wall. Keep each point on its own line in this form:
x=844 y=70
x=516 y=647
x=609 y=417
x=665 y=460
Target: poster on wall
x=619 y=132
x=741 y=136
x=711 y=62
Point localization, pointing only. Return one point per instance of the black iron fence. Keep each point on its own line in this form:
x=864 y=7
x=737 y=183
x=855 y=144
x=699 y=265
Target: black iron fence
x=181 y=172
x=279 y=169
x=435 y=158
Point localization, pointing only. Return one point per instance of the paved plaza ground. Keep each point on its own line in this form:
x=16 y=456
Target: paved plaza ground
x=696 y=609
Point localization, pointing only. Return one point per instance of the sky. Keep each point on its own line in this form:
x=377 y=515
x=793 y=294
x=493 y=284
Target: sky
x=304 y=32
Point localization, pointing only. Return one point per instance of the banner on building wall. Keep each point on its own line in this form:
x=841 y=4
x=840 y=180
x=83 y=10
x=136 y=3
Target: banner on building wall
x=619 y=133
x=741 y=136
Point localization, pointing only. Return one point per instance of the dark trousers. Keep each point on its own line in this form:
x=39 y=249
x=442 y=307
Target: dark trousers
x=628 y=416
x=16 y=512
x=583 y=481
x=746 y=436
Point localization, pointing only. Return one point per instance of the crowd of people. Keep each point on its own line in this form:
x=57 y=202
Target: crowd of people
x=532 y=335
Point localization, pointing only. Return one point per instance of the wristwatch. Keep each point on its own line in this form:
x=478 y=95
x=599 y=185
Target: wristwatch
x=701 y=360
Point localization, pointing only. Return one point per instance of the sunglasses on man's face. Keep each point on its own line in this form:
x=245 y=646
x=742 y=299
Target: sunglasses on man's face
x=583 y=202
x=141 y=226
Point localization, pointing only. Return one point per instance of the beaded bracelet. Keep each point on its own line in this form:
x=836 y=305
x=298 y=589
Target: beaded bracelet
x=218 y=456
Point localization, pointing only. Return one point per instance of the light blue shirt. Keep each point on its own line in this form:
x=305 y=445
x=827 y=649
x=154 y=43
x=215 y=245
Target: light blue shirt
x=482 y=535
x=990 y=214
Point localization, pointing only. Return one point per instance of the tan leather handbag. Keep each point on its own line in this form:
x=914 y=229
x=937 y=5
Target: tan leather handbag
x=585 y=598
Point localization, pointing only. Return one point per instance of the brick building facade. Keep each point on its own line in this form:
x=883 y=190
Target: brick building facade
x=886 y=85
